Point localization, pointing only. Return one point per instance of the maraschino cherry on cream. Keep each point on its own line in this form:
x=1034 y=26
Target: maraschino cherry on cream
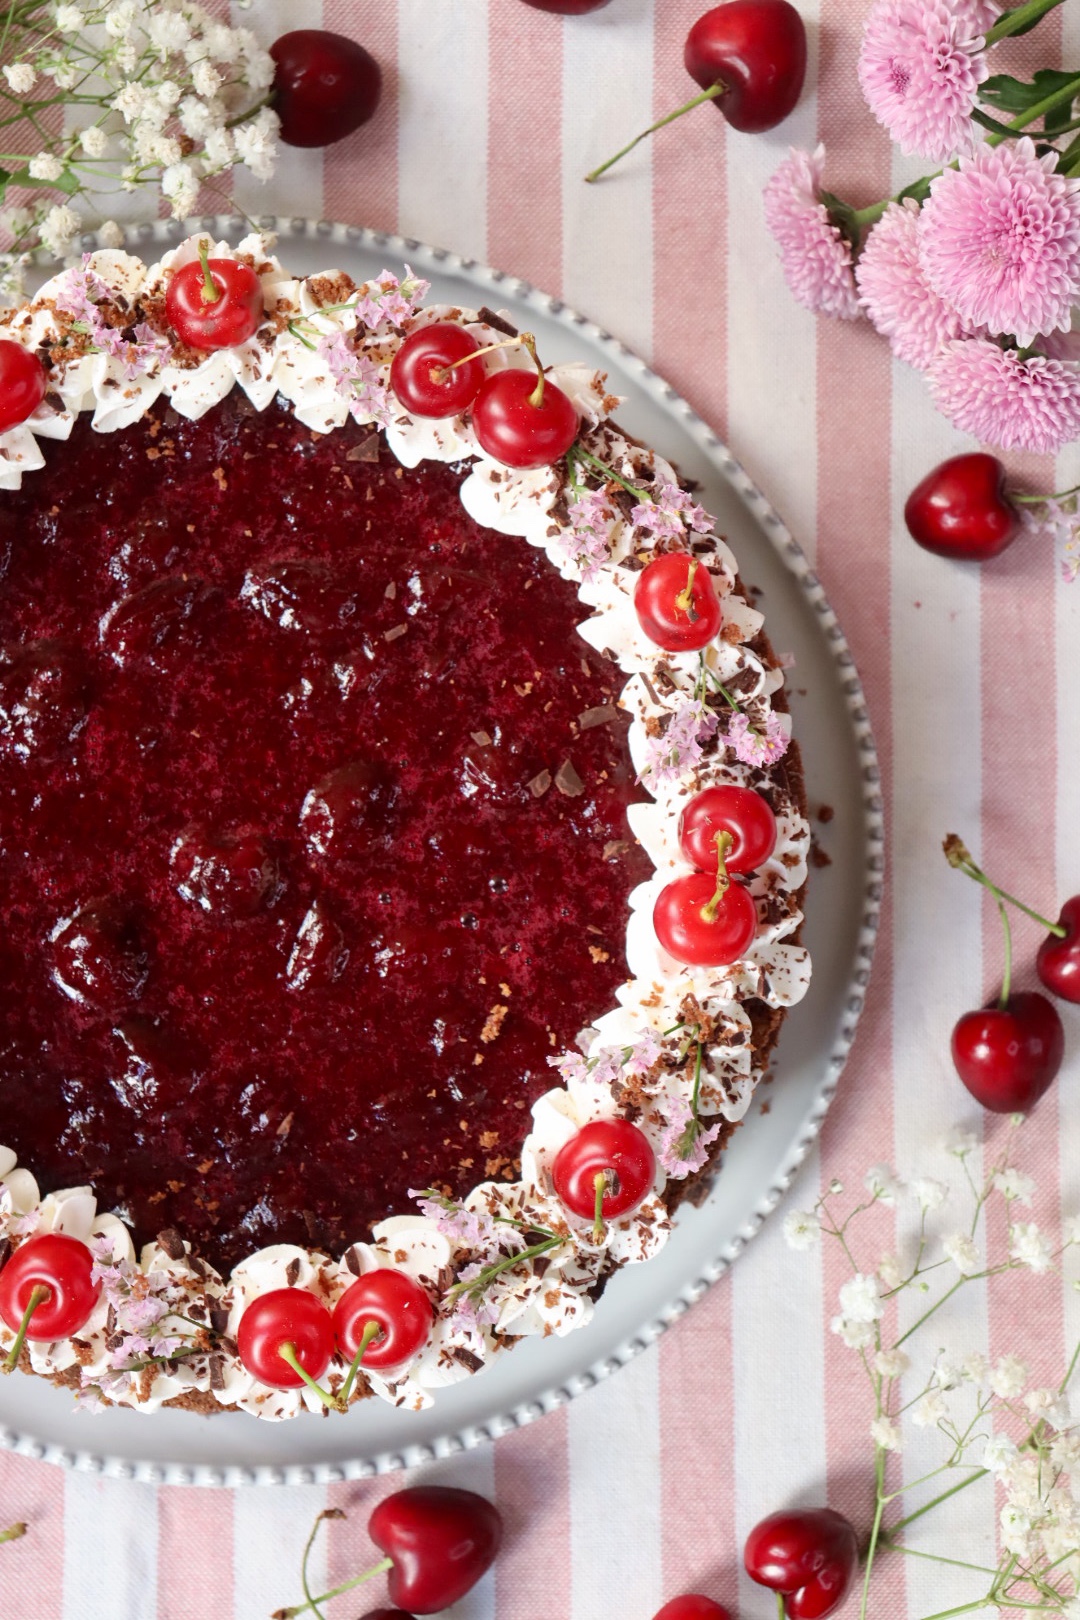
x=676 y=603
x=521 y=419
x=438 y=370
x=738 y=811
x=22 y=384
x=47 y=1290
x=703 y=919
x=381 y=1321
x=286 y=1339
x=214 y=303
x=604 y=1171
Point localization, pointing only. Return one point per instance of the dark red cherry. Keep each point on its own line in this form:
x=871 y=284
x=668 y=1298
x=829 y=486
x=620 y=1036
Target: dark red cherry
x=399 y=1307
x=692 y=1607
x=419 y=375
x=810 y=1556
x=62 y=1266
x=568 y=8
x=206 y=322
x=517 y=431
x=441 y=1541
x=614 y=1148
x=738 y=811
x=1058 y=961
x=285 y=1317
x=694 y=930
x=1008 y=1057
x=757 y=48
x=325 y=86
x=22 y=383
x=961 y=509
x=678 y=612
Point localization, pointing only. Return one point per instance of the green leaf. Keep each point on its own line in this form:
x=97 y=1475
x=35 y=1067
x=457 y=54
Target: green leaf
x=1025 y=28
x=1014 y=96
x=918 y=189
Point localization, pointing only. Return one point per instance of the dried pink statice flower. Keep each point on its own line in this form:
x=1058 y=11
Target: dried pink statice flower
x=670 y=513
x=895 y=293
x=814 y=252
x=999 y=241
x=920 y=66
x=1005 y=398
x=389 y=299
x=757 y=747
x=358 y=378
x=588 y=540
x=684 y=1146
x=680 y=746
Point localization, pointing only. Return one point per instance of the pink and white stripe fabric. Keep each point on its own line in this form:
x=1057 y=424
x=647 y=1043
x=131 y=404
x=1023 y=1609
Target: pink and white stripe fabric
x=648 y=1485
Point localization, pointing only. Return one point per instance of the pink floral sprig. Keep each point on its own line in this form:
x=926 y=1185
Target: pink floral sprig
x=359 y=379
x=757 y=747
x=1058 y=519
x=684 y=1146
x=680 y=746
x=669 y=513
x=587 y=543
x=390 y=299
x=144 y=352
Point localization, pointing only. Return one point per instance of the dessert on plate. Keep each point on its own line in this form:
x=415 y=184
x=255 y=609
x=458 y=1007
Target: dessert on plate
x=402 y=845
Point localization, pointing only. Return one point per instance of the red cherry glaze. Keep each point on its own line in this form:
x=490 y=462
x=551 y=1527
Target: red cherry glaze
x=607 y=1144
x=22 y=384
x=568 y=8
x=735 y=810
x=325 y=86
x=204 y=323
x=691 y=938
x=285 y=1316
x=1058 y=961
x=692 y=1607
x=415 y=373
x=441 y=1540
x=400 y=1307
x=961 y=509
x=1007 y=1057
x=517 y=432
x=809 y=1556
x=63 y=1266
x=758 y=49
x=675 y=628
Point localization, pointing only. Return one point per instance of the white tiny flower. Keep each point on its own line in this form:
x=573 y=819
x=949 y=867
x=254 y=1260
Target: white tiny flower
x=64 y=75
x=218 y=149
x=1008 y=1377
x=891 y=1271
x=111 y=235
x=976 y=1368
x=69 y=19
x=166 y=150
x=258 y=65
x=222 y=44
x=856 y=1335
x=860 y=1299
x=1070 y=1230
x=931 y=1409
x=998 y=1454
x=947 y=1374
x=168 y=31
x=961 y=1141
x=884 y=1433
x=180 y=184
x=1048 y=1405
x=892 y=1363
x=127 y=56
x=1065 y=1451
x=836 y=1187
x=1028 y=1245
x=930 y=1194
x=167 y=94
x=961 y=1250
x=802 y=1228
x=58 y=230
x=197 y=119
x=94 y=141
x=255 y=143
x=1015 y=1531
x=205 y=78
x=1014 y=1185
x=120 y=18
x=882 y=1183
x=16 y=220
x=20 y=77
x=132 y=102
x=44 y=166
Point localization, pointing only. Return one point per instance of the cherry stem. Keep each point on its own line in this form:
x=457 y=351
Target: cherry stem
x=440 y=373
x=536 y=398
x=957 y=854
x=13 y=1532
x=287 y=1352
x=600 y=1182
x=723 y=842
x=1006 y=978
x=371 y=1332
x=1038 y=500
x=210 y=293
x=781 y=1612
x=685 y=599
x=346 y=1586
x=38 y=1295
x=714 y=90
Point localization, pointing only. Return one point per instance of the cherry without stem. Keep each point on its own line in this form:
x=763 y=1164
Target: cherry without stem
x=22 y=384
x=214 y=303
x=436 y=372
x=605 y=1171
x=523 y=420
x=960 y=509
x=325 y=86
x=47 y=1290
x=568 y=8
x=809 y=1556
x=676 y=603
x=284 y=1335
x=400 y=1311
x=692 y=1606
x=742 y=814
x=1058 y=959
x=703 y=924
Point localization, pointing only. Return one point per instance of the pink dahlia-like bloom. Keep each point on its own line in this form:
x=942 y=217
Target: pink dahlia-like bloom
x=815 y=254
x=895 y=293
x=1000 y=241
x=1004 y=399
x=920 y=66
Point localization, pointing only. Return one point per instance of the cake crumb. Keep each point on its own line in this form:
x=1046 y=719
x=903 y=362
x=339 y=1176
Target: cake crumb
x=598 y=955
x=494 y=1023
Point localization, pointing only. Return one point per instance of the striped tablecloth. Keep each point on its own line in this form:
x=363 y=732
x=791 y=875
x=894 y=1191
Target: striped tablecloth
x=649 y=1484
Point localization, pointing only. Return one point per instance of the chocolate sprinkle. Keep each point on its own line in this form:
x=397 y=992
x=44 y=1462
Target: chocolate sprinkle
x=219 y=1318
x=172 y=1243
x=217 y=1372
x=568 y=781
x=5 y=1250
x=603 y=715
x=352 y=1260
x=366 y=450
x=499 y=322
x=540 y=784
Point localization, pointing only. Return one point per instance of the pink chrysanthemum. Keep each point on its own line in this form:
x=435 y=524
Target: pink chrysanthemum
x=920 y=65
x=1005 y=400
x=1000 y=241
x=815 y=254
x=894 y=289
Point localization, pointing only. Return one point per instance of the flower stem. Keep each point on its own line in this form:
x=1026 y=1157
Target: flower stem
x=38 y=1295
x=579 y=452
x=714 y=90
x=781 y=1611
x=287 y=1352
x=1023 y=17
x=371 y=1331
x=875 y=1530
x=944 y=1496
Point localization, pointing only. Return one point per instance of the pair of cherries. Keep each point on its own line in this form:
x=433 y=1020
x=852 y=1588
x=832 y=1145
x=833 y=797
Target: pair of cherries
x=519 y=417
x=704 y=919
x=808 y=1557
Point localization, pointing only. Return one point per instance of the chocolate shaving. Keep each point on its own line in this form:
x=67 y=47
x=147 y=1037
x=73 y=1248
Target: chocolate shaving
x=648 y=685
x=499 y=322
x=110 y=1321
x=292 y=1272
x=366 y=450
x=467 y=1358
x=602 y=715
x=540 y=784
x=392 y=635
x=217 y=1372
x=568 y=781
x=481 y=739
x=5 y=1250
x=617 y=847
x=196 y=1265
x=352 y=1260
x=172 y=1243
x=219 y=1318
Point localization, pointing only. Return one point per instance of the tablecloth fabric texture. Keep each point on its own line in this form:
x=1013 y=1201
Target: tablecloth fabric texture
x=648 y=1485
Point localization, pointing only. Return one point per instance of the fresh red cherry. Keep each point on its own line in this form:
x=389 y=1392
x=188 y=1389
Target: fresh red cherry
x=522 y=424
x=698 y=928
x=47 y=1290
x=692 y=1607
x=810 y=1556
x=568 y=8
x=441 y=1541
x=961 y=509
x=22 y=384
x=325 y=86
x=676 y=603
x=214 y=303
x=740 y=812
x=1058 y=961
x=391 y=1304
x=289 y=1320
x=1008 y=1056
x=386 y=1614
x=420 y=377
x=605 y=1170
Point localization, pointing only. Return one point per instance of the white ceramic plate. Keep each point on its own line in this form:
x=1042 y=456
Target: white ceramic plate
x=842 y=912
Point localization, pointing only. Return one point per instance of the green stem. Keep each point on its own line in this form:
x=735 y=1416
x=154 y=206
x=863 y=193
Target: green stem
x=962 y=1485
x=579 y=451
x=1037 y=500
x=724 y=842
x=781 y=1611
x=714 y=90
x=875 y=1530
x=38 y=1295
x=371 y=1331
x=346 y=1586
x=958 y=855
x=287 y=1352
x=210 y=294
x=600 y=1181
x=1006 y=977
x=963 y=1608
x=1024 y=15
x=478 y=1284
x=13 y=1532
x=888 y=1545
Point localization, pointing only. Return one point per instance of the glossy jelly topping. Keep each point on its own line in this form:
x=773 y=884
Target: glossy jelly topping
x=313 y=843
